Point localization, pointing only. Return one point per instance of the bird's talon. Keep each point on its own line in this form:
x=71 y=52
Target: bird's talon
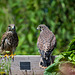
x=44 y=67
x=12 y=55
x=6 y=56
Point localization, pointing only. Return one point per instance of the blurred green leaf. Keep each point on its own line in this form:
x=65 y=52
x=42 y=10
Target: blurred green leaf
x=57 y=59
x=30 y=38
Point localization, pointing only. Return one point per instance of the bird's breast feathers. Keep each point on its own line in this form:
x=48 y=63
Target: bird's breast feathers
x=11 y=38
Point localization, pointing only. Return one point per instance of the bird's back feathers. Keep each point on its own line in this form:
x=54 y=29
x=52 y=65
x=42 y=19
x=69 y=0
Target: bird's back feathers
x=46 y=40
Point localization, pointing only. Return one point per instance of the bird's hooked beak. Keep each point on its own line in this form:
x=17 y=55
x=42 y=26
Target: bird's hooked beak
x=13 y=27
x=38 y=28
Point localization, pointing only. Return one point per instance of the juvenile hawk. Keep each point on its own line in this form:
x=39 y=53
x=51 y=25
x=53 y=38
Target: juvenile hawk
x=46 y=43
x=9 y=40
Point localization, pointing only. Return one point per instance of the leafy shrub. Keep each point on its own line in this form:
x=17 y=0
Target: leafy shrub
x=5 y=65
x=68 y=57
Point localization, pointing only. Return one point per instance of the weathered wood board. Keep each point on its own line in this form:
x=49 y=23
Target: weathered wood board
x=34 y=65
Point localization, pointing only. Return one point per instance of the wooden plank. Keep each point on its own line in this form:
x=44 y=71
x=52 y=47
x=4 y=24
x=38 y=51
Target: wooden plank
x=34 y=63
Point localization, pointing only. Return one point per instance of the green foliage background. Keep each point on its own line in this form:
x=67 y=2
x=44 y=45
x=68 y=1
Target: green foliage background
x=58 y=15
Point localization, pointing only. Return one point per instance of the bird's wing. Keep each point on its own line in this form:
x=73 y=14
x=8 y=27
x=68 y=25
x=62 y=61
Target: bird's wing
x=53 y=43
x=2 y=44
x=15 y=39
x=5 y=40
x=48 y=43
x=44 y=41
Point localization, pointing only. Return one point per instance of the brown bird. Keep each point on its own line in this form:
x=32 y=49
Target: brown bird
x=9 y=40
x=46 y=43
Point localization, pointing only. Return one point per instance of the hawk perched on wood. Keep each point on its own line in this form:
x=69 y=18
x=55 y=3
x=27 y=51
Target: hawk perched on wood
x=46 y=43
x=9 y=40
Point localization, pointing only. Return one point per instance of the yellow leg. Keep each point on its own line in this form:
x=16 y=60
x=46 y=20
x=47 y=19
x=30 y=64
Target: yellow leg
x=12 y=55
x=42 y=66
x=6 y=55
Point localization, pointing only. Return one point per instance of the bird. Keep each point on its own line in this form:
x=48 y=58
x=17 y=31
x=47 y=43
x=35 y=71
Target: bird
x=46 y=43
x=9 y=41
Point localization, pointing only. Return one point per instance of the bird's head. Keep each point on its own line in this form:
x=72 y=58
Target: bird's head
x=11 y=27
x=42 y=27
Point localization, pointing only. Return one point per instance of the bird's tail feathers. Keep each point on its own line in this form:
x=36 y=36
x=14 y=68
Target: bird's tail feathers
x=45 y=62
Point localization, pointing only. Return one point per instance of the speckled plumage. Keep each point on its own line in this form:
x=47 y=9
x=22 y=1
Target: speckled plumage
x=9 y=39
x=46 y=43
